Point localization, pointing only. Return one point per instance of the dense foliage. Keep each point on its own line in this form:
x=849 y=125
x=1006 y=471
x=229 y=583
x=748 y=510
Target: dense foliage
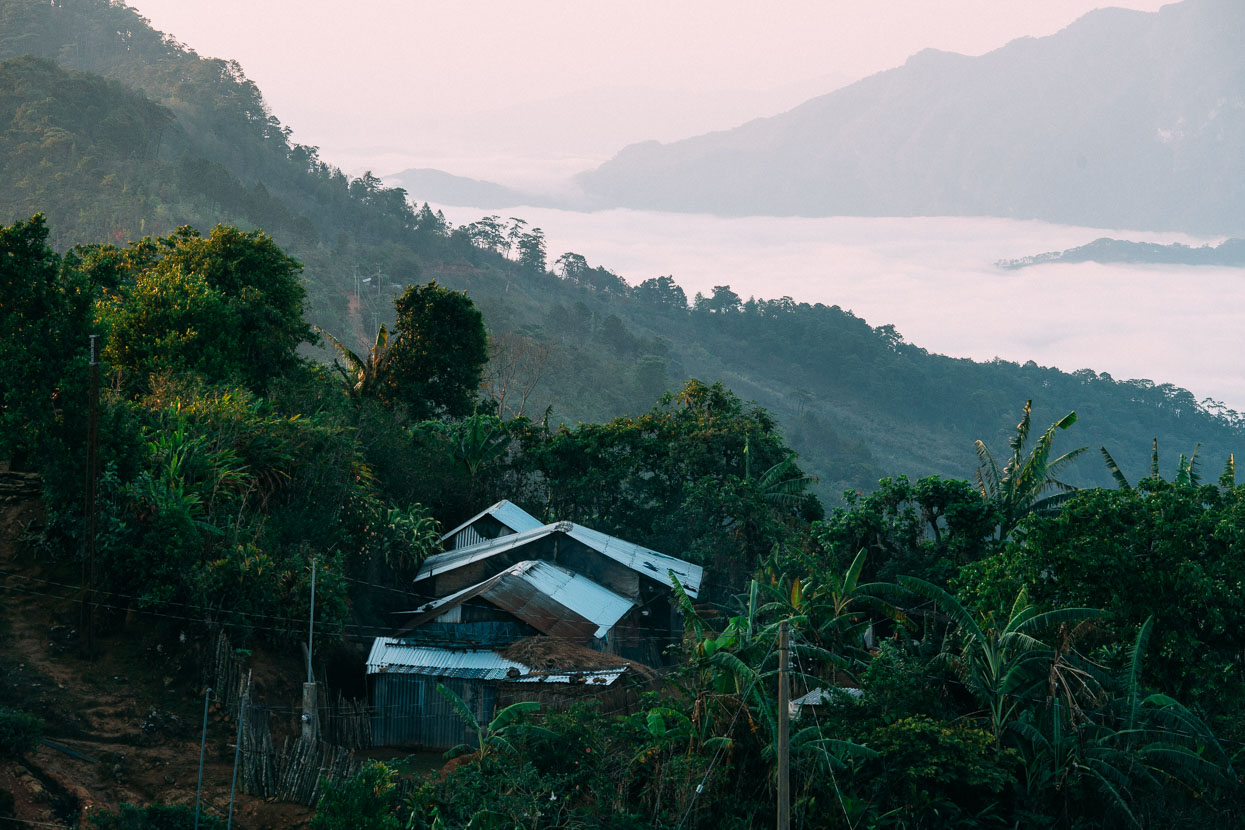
x=987 y=656
x=1040 y=695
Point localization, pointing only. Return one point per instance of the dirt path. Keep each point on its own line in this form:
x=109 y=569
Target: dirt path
x=102 y=709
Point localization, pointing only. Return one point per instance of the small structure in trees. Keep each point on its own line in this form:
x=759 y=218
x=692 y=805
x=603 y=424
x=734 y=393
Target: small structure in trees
x=518 y=609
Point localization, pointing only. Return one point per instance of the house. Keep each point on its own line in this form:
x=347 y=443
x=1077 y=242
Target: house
x=497 y=580
x=584 y=609
x=502 y=519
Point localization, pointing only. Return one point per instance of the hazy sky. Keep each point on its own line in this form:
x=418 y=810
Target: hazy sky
x=370 y=79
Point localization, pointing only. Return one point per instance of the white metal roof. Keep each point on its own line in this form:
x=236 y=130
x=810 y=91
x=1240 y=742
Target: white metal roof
x=573 y=591
x=638 y=558
x=506 y=512
x=391 y=655
x=394 y=656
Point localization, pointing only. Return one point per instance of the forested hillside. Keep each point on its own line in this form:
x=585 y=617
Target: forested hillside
x=211 y=507
x=116 y=131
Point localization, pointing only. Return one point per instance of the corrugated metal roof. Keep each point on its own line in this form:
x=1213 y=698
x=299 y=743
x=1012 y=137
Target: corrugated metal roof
x=638 y=558
x=574 y=592
x=603 y=677
x=390 y=655
x=819 y=696
x=506 y=512
x=394 y=656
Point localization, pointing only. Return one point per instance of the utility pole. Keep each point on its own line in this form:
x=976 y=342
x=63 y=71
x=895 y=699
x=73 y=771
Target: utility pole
x=237 y=750
x=202 y=746
x=310 y=718
x=784 y=727
x=92 y=484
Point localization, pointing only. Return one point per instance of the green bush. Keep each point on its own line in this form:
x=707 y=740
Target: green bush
x=153 y=817
x=19 y=732
x=365 y=801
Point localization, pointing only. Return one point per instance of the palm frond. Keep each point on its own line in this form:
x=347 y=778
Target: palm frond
x=1116 y=473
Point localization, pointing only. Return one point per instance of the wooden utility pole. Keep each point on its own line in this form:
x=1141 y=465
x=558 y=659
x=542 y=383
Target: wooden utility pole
x=91 y=511
x=784 y=727
x=311 y=711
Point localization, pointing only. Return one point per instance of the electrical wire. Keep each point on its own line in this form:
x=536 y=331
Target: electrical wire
x=743 y=702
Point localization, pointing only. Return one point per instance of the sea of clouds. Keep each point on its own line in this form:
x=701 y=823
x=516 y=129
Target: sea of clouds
x=934 y=278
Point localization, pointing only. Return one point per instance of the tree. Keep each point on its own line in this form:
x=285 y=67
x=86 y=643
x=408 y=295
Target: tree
x=928 y=529
x=532 y=251
x=437 y=353
x=661 y=292
x=723 y=301
x=1161 y=549
x=39 y=332
x=228 y=306
x=571 y=266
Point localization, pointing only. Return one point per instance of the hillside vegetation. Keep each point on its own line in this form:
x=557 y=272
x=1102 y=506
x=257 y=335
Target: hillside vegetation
x=989 y=649
x=188 y=140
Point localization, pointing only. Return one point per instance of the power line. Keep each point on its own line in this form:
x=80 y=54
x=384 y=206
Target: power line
x=730 y=730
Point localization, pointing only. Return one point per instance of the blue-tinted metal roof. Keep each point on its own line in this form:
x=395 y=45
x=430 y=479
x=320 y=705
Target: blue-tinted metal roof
x=506 y=512
x=394 y=656
x=654 y=565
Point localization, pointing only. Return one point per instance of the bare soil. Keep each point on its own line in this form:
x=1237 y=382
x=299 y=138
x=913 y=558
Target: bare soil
x=96 y=708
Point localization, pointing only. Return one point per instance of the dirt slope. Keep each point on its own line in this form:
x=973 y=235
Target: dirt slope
x=131 y=715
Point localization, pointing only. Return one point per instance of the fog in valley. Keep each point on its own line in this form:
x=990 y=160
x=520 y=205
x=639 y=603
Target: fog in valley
x=935 y=280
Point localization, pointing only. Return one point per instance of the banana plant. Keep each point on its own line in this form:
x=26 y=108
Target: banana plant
x=1136 y=739
x=1186 y=469
x=1017 y=489
x=362 y=375
x=1005 y=665
x=496 y=735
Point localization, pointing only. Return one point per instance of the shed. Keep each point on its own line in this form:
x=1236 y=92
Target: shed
x=407 y=709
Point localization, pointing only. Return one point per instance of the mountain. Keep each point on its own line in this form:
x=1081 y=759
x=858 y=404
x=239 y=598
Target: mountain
x=116 y=131
x=1228 y=254
x=443 y=188
x=1122 y=119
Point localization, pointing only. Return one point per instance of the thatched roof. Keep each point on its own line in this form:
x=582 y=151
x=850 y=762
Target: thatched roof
x=555 y=654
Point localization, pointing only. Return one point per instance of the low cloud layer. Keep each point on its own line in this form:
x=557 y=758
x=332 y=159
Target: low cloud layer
x=934 y=279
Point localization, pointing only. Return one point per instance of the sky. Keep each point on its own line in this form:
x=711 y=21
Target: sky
x=476 y=86
x=531 y=92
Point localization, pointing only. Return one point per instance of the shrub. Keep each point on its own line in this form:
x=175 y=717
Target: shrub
x=19 y=732
x=365 y=801
x=153 y=817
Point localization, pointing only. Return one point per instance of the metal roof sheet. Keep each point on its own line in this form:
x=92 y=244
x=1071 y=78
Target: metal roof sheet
x=394 y=656
x=574 y=592
x=506 y=512
x=391 y=655
x=638 y=558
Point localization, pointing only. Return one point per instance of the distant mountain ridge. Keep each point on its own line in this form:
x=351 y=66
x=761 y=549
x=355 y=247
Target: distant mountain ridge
x=183 y=139
x=1122 y=119
x=1229 y=254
